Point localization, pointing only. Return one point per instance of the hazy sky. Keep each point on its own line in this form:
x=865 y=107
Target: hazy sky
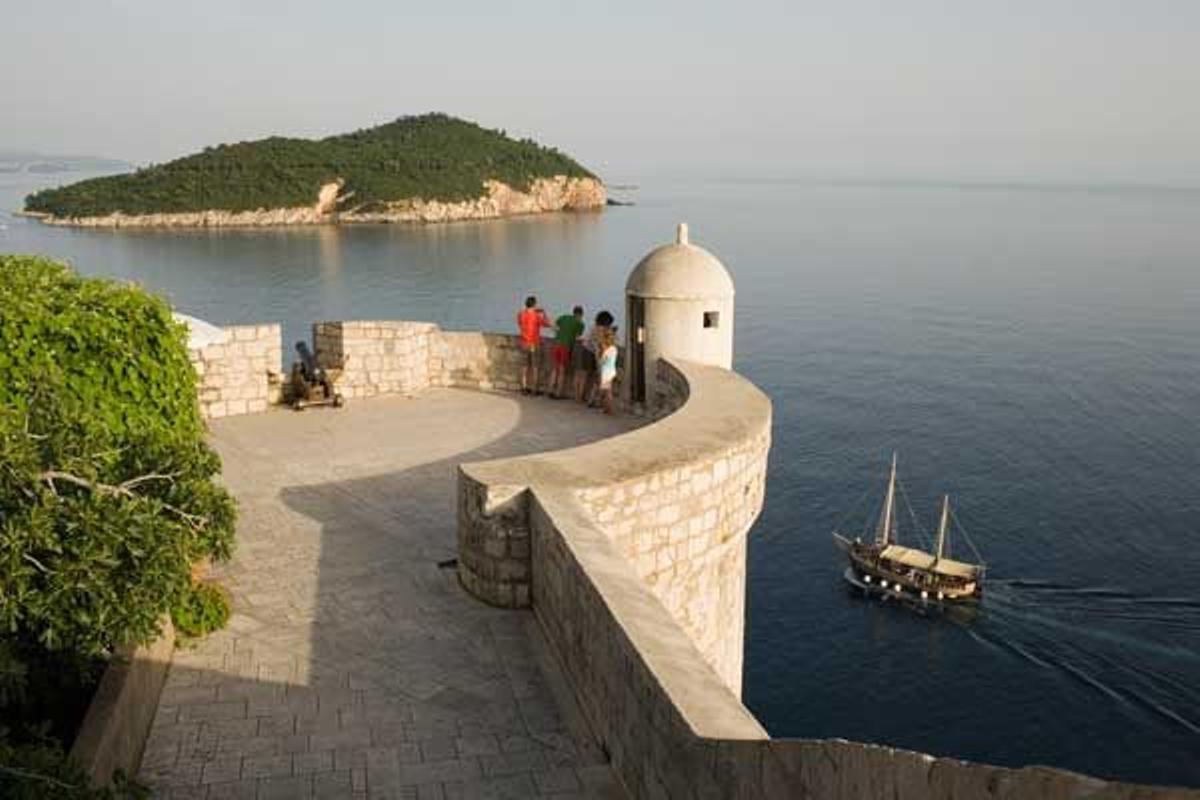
x=941 y=89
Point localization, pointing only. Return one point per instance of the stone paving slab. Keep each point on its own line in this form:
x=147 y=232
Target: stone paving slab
x=354 y=666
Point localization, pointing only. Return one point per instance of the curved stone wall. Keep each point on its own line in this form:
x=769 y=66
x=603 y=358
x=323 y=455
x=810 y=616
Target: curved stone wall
x=676 y=499
x=654 y=669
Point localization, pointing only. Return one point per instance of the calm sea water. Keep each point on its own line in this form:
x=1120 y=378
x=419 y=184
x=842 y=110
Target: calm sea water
x=1034 y=353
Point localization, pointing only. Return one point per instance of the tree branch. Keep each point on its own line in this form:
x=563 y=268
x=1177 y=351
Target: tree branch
x=35 y=562
x=154 y=476
x=121 y=490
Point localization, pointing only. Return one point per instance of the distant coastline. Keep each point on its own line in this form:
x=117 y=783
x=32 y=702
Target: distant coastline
x=17 y=162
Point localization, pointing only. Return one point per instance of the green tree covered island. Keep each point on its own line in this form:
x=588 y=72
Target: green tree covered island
x=431 y=157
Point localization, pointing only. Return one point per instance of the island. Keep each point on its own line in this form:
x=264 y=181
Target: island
x=426 y=168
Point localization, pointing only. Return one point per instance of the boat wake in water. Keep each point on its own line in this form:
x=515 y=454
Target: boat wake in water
x=1131 y=648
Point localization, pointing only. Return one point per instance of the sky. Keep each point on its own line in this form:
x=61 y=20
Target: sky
x=1021 y=90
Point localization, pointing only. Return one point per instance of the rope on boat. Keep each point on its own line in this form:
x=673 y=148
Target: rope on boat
x=872 y=520
x=921 y=530
x=858 y=503
x=978 y=556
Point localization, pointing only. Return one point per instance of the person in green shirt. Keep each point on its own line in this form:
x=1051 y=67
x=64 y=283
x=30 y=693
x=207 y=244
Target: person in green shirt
x=569 y=327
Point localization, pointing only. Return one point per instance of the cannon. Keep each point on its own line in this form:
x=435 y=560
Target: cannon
x=312 y=385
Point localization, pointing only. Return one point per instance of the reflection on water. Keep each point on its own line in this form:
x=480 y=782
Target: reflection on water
x=1033 y=354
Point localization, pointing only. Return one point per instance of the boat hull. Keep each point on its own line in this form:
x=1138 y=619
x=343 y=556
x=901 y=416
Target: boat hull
x=963 y=612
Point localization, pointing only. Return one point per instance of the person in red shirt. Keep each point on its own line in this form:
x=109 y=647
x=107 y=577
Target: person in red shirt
x=530 y=321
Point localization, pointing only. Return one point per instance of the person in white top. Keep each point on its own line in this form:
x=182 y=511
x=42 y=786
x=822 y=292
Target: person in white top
x=607 y=358
x=585 y=359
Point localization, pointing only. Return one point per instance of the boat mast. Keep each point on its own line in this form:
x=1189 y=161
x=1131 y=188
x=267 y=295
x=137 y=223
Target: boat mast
x=889 y=509
x=942 y=528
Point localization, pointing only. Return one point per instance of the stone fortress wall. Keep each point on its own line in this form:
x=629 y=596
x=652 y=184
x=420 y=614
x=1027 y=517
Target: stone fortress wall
x=679 y=519
x=241 y=373
x=631 y=553
x=683 y=526
x=382 y=357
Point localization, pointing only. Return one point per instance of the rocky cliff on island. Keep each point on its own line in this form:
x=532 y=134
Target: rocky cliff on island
x=431 y=168
x=559 y=193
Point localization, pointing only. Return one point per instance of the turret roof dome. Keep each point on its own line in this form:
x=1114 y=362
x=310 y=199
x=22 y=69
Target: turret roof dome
x=680 y=270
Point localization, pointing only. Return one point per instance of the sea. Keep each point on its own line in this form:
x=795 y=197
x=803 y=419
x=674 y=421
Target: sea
x=1032 y=351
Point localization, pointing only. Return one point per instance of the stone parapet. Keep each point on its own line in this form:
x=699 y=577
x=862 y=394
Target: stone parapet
x=682 y=525
x=365 y=358
x=240 y=375
x=672 y=389
x=375 y=357
x=486 y=361
x=676 y=499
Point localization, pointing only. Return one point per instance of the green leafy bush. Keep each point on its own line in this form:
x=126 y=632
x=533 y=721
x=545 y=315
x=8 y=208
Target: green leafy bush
x=106 y=481
x=433 y=156
x=106 y=498
x=204 y=609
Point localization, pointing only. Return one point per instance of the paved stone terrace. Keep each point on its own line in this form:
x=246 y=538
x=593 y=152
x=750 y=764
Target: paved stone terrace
x=355 y=666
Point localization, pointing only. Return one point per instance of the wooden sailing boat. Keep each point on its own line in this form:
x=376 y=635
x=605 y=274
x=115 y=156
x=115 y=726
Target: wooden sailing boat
x=893 y=569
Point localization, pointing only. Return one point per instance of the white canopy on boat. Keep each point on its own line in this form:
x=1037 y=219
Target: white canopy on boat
x=922 y=560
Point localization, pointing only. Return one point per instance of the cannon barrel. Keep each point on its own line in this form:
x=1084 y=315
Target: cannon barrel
x=308 y=363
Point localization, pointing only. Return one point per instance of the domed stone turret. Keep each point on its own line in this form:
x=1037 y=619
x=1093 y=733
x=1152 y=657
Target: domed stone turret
x=680 y=271
x=679 y=304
